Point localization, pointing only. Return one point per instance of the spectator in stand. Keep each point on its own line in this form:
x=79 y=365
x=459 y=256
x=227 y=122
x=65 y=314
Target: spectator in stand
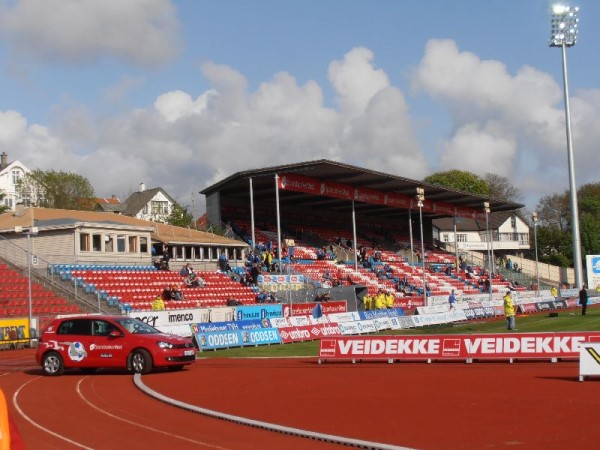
x=448 y=270
x=427 y=289
x=186 y=270
x=166 y=256
x=323 y=297
x=254 y=273
x=363 y=254
x=233 y=302
x=389 y=300
x=509 y=311
x=262 y=296
x=321 y=254
x=367 y=300
x=158 y=304
x=380 y=299
x=224 y=263
x=245 y=278
x=172 y=293
x=583 y=299
x=193 y=281
x=377 y=256
x=166 y=294
x=486 y=285
x=452 y=300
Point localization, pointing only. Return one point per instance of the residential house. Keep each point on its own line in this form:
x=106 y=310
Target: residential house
x=149 y=204
x=10 y=174
x=112 y=204
x=507 y=231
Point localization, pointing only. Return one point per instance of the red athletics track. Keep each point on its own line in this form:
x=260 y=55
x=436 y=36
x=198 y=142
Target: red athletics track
x=442 y=405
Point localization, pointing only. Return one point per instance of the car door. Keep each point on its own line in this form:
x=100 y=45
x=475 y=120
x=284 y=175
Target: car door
x=108 y=350
x=75 y=338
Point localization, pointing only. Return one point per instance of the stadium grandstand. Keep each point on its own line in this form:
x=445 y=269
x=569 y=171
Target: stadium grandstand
x=302 y=233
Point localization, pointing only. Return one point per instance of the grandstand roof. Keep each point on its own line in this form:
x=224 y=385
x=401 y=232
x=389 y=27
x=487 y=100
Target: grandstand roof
x=263 y=187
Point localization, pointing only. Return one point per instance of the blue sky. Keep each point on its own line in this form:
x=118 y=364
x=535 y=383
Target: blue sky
x=180 y=94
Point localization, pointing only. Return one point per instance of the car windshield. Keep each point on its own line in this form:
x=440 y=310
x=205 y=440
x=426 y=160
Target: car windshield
x=136 y=326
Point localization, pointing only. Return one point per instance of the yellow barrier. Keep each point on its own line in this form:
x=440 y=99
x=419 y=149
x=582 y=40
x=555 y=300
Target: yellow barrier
x=14 y=331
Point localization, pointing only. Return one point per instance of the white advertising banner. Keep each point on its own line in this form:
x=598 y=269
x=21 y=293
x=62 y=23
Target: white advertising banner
x=593 y=271
x=589 y=360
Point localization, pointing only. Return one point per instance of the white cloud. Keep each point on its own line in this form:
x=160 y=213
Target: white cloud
x=356 y=81
x=476 y=150
x=511 y=125
x=137 y=31
x=185 y=142
x=508 y=124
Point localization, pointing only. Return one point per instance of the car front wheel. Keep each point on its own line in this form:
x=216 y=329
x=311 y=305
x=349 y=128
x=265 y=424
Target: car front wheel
x=52 y=364
x=141 y=361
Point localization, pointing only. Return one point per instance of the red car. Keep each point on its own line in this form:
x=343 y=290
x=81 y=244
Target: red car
x=92 y=342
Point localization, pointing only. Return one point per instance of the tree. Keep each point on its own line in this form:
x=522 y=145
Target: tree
x=554 y=231
x=553 y=210
x=502 y=189
x=57 y=190
x=180 y=217
x=3 y=208
x=459 y=180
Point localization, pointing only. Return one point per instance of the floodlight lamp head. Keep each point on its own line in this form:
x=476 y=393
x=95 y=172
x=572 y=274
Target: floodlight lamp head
x=534 y=217
x=486 y=207
x=564 y=26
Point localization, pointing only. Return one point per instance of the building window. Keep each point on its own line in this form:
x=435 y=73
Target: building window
x=121 y=244
x=446 y=237
x=513 y=221
x=143 y=245
x=461 y=237
x=109 y=244
x=97 y=242
x=8 y=202
x=145 y=209
x=159 y=208
x=132 y=241
x=16 y=176
x=84 y=242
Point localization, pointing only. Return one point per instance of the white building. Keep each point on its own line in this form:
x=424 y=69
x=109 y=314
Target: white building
x=149 y=204
x=509 y=233
x=10 y=174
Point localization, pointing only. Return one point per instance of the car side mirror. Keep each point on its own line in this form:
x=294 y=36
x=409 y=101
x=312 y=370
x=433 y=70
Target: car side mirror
x=115 y=334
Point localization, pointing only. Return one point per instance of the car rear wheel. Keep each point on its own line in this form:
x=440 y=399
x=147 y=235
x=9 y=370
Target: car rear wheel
x=141 y=361
x=52 y=364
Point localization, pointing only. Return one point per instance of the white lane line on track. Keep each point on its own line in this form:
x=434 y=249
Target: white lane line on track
x=121 y=419
x=137 y=379
x=37 y=425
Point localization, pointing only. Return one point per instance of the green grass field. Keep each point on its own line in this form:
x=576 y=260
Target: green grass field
x=568 y=320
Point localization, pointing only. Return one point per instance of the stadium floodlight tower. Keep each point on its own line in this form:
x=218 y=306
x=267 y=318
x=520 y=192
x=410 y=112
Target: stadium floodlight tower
x=486 y=209
x=420 y=200
x=534 y=218
x=563 y=35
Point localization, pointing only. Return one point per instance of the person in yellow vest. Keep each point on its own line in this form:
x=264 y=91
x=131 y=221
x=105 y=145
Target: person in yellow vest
x=367 y=300
x=509 y=311
x=158 y=304
x=380 y=300
x=554 y=292
x=389 y=299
